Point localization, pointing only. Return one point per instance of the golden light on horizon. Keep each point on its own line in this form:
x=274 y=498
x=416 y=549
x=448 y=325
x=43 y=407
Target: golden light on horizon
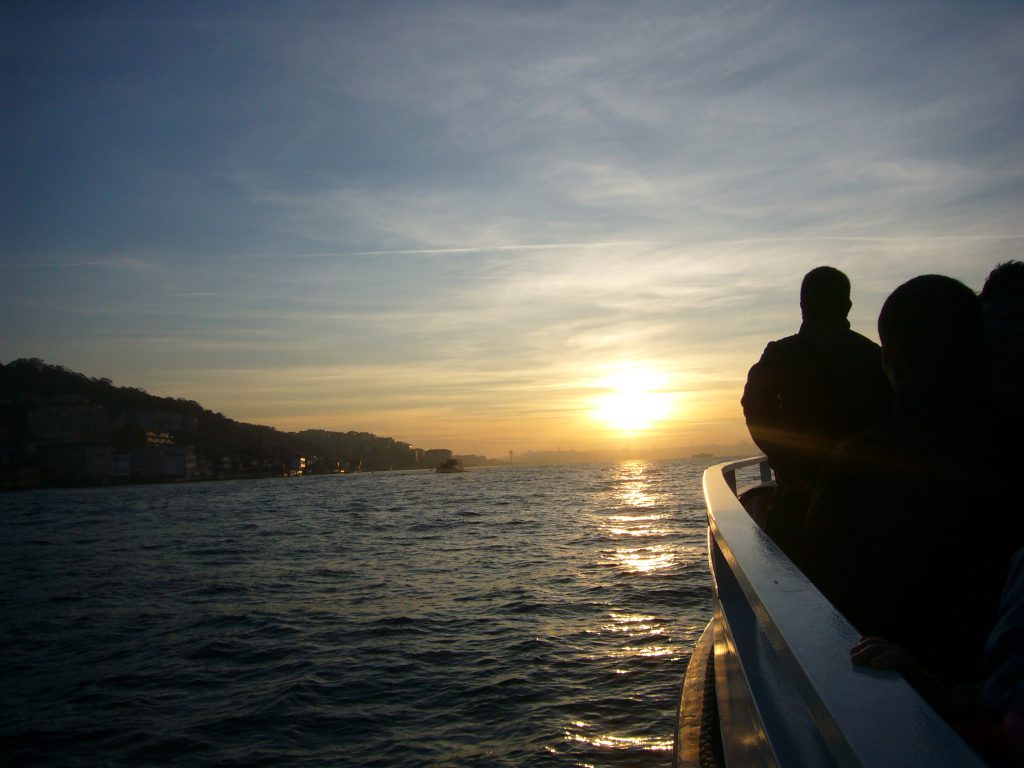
x=636 y=401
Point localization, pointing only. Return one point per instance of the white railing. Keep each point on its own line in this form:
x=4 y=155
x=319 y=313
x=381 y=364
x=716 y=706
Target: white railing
x=788 y=694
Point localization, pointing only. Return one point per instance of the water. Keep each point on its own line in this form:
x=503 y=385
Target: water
x=509 y=616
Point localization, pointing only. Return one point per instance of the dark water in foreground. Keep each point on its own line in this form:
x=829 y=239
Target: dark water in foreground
x=511 y=616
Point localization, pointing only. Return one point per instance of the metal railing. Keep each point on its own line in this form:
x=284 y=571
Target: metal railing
x=787 y=692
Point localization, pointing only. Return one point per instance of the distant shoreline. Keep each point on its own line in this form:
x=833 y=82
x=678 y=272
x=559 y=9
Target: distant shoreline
x=110 y=484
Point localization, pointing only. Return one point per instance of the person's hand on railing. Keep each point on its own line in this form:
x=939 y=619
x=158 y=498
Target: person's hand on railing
x=879 y=653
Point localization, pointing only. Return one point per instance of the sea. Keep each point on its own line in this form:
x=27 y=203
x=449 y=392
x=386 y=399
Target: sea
x=503 y=616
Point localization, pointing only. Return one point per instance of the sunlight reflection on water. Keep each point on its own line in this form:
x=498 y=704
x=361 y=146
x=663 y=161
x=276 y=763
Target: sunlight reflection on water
x=634 y=490
x=511 y=615
x=635 y=518
x=588 y=733
x=634 y=624
x=640 y=530
x=645 y=559
x=638 y=520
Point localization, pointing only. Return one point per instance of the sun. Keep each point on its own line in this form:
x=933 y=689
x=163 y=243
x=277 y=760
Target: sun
x=635 y=400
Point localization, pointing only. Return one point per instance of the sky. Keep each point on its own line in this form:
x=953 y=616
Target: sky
x=487 y=226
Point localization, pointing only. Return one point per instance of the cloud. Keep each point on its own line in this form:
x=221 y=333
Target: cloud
x=481 y=204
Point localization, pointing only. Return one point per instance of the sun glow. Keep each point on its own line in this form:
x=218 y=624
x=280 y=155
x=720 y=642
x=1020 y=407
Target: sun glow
x=636 y=400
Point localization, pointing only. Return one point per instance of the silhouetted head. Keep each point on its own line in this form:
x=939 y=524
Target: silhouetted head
x=931 y=332
x=825 y=294
x=1007 y=279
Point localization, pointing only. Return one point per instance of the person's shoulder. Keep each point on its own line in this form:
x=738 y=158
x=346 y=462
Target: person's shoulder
x=859 y=340
x=784 y=347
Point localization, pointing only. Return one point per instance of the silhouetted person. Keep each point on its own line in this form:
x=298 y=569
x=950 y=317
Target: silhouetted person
x=809 y=391
x=909 y=534
x=1002 y=300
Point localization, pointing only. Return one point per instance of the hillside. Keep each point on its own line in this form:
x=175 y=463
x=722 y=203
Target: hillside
x=59 y=427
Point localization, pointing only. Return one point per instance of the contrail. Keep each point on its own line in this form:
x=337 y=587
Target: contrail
x=476 y=249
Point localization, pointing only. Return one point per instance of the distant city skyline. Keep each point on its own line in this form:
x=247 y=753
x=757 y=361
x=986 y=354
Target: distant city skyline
x=488 y=227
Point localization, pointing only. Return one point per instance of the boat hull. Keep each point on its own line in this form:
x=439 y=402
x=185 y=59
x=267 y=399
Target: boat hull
x=698 y=740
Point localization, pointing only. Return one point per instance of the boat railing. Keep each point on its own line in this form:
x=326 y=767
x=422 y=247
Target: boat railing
x=786 y=687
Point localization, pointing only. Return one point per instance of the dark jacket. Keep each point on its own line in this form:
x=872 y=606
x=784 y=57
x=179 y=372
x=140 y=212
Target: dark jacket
x=910 y=533
x=811 y=390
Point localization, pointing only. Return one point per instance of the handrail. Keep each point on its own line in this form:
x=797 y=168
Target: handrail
x=786 y=686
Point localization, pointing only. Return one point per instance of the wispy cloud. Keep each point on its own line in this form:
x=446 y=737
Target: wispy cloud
x=461 y=250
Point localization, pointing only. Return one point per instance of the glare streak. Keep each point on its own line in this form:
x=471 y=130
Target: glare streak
x=645 y=559
x=610 y=741
x=644 y=531
x=646 y=651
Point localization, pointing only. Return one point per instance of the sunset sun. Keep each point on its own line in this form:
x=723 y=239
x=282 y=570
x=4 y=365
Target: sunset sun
x=634 y=401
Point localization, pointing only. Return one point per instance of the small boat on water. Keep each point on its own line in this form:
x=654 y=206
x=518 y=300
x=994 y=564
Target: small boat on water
x=450 y=465
x=770 y=682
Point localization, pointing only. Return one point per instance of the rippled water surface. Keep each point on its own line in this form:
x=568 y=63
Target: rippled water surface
x=508 y=616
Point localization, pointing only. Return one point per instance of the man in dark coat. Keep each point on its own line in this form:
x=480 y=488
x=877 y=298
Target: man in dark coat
x=809 y=391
